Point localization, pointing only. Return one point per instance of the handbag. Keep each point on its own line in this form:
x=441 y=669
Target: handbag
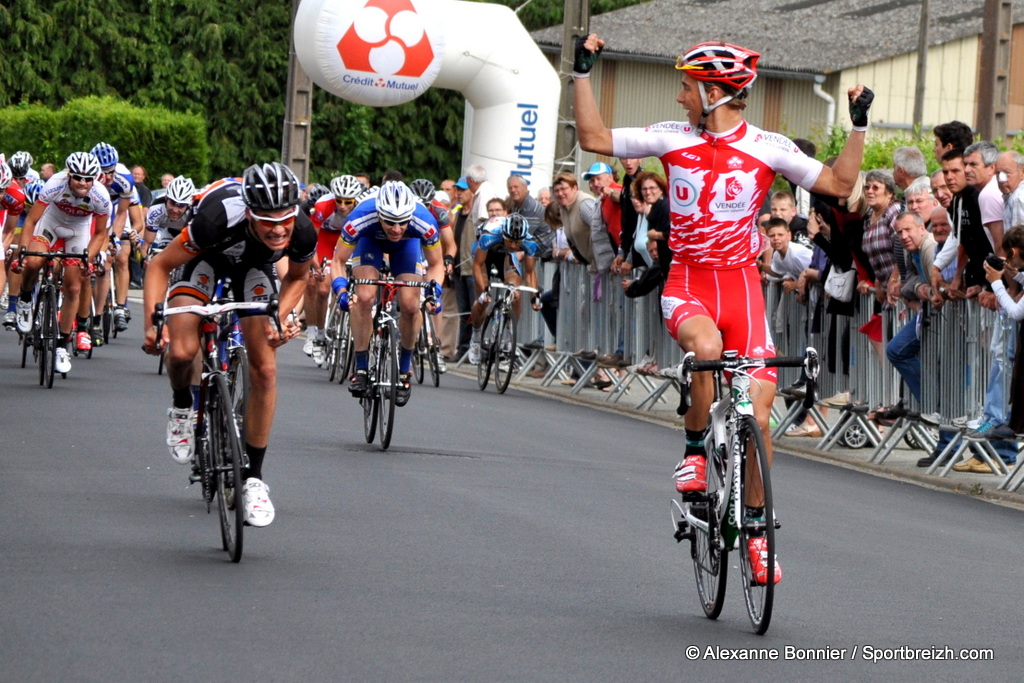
x=840 y=283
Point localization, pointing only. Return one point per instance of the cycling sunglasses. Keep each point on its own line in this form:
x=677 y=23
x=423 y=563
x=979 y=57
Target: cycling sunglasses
x=346 y=202
x=270 y=219
x=395 y=223
x=81 y=178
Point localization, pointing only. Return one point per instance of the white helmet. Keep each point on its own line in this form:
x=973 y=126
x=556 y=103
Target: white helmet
x=181 y=190
x=395 y=202
x=83 y=163
x=346 y=187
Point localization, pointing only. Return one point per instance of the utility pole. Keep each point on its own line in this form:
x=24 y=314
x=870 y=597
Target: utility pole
x=298 y=111
x=994 y=75
x=576 y=23
x=922 y=67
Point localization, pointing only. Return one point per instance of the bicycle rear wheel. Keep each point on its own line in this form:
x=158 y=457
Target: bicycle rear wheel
x=226 y=459
x=707 y=548
x=335 y=341
x=387 y=383
x=758 y=596
x=483 y=368
x=504 y=351
x=433 y=349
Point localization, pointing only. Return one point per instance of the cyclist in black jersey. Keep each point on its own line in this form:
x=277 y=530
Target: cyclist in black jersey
x=239 y=230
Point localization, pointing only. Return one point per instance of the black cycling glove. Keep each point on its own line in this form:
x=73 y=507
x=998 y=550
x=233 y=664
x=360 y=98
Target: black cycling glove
x=859 y=108
x=584 y=59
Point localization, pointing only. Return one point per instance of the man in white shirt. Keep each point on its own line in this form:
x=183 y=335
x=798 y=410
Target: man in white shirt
x=483 y=192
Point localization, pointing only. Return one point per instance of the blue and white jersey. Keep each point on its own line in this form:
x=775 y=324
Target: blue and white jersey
x=363 y=222
x=122 y=185
x=159 y=222
x=491 y=239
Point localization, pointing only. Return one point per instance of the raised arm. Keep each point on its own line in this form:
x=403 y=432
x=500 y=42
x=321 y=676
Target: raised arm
x=839 y=180
x=594 y=136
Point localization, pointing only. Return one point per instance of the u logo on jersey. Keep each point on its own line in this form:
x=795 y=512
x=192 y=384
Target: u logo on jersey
x=387 y=38
x=683 y=192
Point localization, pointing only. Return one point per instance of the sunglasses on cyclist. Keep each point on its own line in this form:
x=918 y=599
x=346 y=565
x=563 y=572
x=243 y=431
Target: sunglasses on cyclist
x=346 y=202
x=385 y=221
x=177 y=205
x=271 y=219
x=81 y=178
x=109 y=171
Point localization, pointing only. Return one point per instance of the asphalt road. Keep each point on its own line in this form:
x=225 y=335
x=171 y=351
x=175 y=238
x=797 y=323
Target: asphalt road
x=501 y=538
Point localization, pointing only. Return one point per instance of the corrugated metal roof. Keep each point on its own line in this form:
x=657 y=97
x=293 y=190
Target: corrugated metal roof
x=811 y=36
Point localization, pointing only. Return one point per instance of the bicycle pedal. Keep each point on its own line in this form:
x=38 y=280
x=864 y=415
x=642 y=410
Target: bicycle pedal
x=683 y=532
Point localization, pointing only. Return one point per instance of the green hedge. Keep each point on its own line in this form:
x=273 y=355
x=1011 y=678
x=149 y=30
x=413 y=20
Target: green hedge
x=161 y=140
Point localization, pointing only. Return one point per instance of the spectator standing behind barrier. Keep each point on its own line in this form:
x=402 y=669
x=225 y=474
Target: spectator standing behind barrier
x=939 y=190
x=980 y=173
x=462 y=275
x=519 y=201
x=918 y=198
x=1013 y=246
x=904 y=349
x=559 y=252
x=584 y=229
x=908 y=165
x=652 y=227
x=1009 y=171
x=483 y=192
x=880 y=243
x=949 y=136
x=627 y=257
x=973 y=244
x=139 y=176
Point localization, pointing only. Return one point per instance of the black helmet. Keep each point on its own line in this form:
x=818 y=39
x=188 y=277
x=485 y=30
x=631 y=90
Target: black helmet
x=313 y=195
x=515 y=228
x=270 y=187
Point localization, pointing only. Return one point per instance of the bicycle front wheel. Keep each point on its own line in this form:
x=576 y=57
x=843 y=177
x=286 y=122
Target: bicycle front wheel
x=226 y=460
x=387 y=382
x=504 y=351
x=419 y=355
x=487 y=335
x=48 y=332
x=369 y=399
x=238 y=384
x=707 y=548
x=758 y=592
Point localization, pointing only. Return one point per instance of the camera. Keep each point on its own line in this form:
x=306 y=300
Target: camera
x=995 y=262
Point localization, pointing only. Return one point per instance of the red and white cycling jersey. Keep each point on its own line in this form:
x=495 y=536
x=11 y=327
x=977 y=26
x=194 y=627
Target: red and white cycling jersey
x=78 y=211
x=716 y=185
x=324 y=217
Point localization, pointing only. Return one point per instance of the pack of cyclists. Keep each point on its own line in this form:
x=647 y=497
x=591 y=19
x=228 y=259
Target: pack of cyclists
x=261 y=231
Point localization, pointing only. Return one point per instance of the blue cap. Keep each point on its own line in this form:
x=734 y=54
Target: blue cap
x=597 y=168
x=462 y=184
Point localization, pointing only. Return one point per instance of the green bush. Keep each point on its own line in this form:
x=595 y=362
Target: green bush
x=163 y=141
x=878 y=151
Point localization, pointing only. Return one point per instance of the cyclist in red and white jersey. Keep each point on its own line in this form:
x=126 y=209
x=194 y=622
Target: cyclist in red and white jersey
x=329 y=216
x=12 y=205
x=719 y=170
x=68 y=208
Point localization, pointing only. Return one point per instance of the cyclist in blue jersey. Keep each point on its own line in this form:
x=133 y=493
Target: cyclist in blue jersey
x=508 y=238
x=391 y=222
x=121 y=185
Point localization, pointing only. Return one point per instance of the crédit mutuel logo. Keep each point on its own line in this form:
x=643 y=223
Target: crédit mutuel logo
x=390 y=46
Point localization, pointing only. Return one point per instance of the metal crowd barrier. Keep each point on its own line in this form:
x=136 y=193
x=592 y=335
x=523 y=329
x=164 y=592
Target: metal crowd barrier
x=594 y=315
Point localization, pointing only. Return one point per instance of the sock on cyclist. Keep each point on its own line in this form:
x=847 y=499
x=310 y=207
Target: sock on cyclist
x=182 y=398
x=362 y=360
x=83 y=324
x=405 y=359
x=476 y=335
x=12 y=303
x=64 y=340
x=695 y=442
x=256 y=455
x=311 y=331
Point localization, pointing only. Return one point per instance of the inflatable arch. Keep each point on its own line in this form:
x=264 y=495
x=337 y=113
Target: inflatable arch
x=386 y=52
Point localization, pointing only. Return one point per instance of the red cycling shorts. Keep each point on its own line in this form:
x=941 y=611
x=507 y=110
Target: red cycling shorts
x=326 y=241
x=731 y=298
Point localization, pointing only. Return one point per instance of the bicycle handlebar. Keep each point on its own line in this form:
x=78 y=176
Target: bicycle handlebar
x=514 y=288
x=396 y=283
x=54 y=254
x=212 y=310
x=682 y=371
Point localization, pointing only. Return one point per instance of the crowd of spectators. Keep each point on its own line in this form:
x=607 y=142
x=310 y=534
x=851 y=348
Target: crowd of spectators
x=904 y=241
